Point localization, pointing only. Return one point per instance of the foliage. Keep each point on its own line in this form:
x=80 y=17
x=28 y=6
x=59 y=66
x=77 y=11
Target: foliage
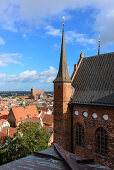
x=29 y=138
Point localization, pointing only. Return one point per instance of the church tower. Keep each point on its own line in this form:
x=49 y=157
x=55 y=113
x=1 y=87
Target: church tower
x=62 y=95
x=32 y=92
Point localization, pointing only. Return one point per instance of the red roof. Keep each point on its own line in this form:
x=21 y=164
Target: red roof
x=12 y=131
x=34 y=119
x=42 y=115
x=48 y=119
x=39 y=91
x=21 y=113
x=4 y=112
x=3 y=117
x=45 y=108
x=2 y=121
x=2 y=134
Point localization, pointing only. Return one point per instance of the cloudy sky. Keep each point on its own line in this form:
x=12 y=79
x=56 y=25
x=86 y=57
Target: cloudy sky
x=30 y=38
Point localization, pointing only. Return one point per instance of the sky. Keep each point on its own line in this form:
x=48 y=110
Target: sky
x=31 y=32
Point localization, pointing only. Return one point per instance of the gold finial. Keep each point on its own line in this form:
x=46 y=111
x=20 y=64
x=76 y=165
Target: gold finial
x=63 y=20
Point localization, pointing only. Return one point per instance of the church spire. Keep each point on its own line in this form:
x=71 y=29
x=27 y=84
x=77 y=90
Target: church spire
x=99 y=46
x=63 y=75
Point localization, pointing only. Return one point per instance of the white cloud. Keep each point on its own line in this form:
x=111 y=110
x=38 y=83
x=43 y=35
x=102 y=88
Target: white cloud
x=70 y=36
x=6 y=59
x=35 y=12
x=32 y=76
x=73 y=36
x=85 y=41
x=25 y=76
x=50 y=79
x=52 y=31
x=2 y=76
x=9 y=27
x=2 y=41
x=105 y=24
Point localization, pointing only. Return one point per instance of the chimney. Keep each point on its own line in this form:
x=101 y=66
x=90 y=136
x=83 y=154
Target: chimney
x=76 y=66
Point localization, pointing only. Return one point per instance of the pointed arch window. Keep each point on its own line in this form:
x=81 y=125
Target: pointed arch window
x=102 y=141
x=79 y=135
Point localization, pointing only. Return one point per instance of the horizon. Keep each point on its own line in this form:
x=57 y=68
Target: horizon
x=31 y=35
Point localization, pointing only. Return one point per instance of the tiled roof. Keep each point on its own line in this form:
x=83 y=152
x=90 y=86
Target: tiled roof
x=39 y=91
x=3 y=117
x=48 y=119
x=94 y=81
x=2 y=121
x=2 y=135
x=4 y=112
x=34 y=119
x=21 y=113
x=12 y=131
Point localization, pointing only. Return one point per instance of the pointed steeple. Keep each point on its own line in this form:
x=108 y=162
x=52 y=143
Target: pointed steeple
x=99 y=46
x=63 y=75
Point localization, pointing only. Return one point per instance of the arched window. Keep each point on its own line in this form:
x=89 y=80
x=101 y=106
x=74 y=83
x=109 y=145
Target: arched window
x=102 y=141
x=79 y=135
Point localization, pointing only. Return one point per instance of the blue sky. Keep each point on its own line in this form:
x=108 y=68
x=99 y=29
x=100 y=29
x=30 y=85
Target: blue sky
x=30 y=38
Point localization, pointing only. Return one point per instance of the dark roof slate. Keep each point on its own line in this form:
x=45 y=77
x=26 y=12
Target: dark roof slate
x=54 y=158
x=94 y=81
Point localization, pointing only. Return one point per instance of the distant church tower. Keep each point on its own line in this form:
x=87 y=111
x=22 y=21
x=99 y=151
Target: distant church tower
x=32 y=92
x=62 y=94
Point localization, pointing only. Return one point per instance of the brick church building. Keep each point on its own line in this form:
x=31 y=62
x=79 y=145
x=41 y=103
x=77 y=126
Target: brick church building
x=37 y=94
x=84 y=107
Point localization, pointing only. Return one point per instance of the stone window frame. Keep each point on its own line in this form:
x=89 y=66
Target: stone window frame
x=102 y=141
x=79 y=134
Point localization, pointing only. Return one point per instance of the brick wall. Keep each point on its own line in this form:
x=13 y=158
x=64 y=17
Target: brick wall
x=62 y=116
x=11 y=117
x=90 y=126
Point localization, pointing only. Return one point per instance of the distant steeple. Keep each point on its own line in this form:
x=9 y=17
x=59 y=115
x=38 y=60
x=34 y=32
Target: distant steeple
x=99 y=46
x=63 y=75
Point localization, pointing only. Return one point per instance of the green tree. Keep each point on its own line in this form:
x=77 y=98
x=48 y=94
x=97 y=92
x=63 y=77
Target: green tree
x=29 y=138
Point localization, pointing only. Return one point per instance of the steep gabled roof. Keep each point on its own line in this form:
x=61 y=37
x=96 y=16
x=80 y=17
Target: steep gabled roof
x=22 y=113
x=94 y=81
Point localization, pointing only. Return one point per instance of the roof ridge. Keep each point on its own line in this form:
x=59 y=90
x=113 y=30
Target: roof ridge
x=97 y=55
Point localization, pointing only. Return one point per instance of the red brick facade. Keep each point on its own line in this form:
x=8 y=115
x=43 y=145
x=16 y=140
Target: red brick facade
x=76 y=128
x=62 y=116
x=35 y=94
x=90 y=126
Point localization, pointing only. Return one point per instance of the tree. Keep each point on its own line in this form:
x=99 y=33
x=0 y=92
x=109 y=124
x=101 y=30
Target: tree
x=29 y=138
